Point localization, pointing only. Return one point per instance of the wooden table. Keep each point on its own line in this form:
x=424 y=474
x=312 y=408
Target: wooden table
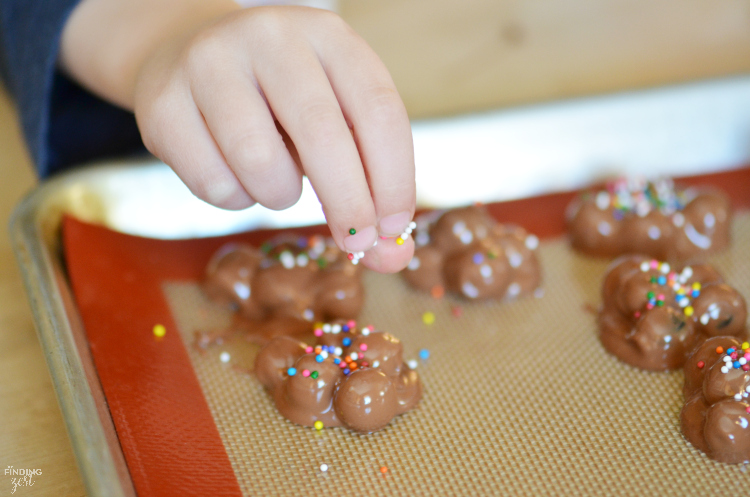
x=32 y=432
x=446 y=57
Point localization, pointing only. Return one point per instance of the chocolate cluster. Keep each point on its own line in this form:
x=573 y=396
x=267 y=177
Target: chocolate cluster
x=288 y=284
x=654 y=315
x=651 y=218
x=716 y=415
x=353 y=377
x=467 y=252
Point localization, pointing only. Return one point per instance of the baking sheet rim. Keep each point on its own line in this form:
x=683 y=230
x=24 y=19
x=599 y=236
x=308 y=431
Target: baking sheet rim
x=34 y=225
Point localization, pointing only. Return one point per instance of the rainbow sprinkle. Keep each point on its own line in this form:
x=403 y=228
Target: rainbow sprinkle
x=640 y=196
x=160 y=330
x=737 y=359
x=678 y=282
x=352 y=362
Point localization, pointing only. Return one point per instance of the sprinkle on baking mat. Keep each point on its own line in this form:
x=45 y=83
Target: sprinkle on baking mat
x=384 y=470
x=159 y=330
x=424 y=354
x=323 y=468
x=437 y=292
x=428 y=318
x=224 y=357
x=457 y=311
x=318 y=425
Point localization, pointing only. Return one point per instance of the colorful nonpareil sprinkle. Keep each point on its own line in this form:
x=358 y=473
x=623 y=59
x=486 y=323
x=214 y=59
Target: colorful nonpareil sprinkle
x=349 y=363
x=677 y=282
x=318 y=425
x=355 y=257
x=408 y=231
x=384 y=469
x=736 y=359
x=159 y=330
x=352 y=231
x=424 y=354
x=640 y=196
x=437 y=292
x=301 y=253
x=323 y=468
x=224 y=357
x=428 y=318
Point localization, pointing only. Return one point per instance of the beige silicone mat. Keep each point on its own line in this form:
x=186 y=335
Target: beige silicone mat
x=520 y=399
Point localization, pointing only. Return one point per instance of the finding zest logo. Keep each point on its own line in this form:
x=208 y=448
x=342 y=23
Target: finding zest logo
x=21 y=477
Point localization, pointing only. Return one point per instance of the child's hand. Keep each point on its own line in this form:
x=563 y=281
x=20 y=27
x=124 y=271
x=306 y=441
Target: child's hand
x=242 y=106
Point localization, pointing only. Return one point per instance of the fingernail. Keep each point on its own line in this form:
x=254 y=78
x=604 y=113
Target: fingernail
x=395 y=223
x=361 y=240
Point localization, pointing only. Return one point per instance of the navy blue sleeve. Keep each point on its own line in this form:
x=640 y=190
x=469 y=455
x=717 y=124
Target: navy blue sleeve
x=63 y=124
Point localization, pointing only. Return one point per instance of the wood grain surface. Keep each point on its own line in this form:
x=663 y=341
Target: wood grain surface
x=32 y=432
x=450 y=56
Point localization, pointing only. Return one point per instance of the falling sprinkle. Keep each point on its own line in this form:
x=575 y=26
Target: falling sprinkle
x=428 y=318
x=224 y=357
x=457 y=311
x=424 y=354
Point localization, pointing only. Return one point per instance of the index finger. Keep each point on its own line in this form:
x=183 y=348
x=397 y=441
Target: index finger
x=308 y=110
x=370 y=101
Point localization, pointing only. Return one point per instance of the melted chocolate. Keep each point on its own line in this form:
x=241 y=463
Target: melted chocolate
x=287 y=285
x=466 y=251
x=650 y=218
x=654 y=316
x=716 y=415
x=352 y=377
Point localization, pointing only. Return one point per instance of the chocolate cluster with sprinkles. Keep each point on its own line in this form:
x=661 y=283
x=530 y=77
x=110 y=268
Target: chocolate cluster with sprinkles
x=650 y=217
x=467 y=252
x=352 y=376
x=654 y=315
x=286 y=285
x=716 y=414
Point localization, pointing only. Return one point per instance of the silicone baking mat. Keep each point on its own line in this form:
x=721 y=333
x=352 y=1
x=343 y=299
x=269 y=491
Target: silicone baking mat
x=520 y=398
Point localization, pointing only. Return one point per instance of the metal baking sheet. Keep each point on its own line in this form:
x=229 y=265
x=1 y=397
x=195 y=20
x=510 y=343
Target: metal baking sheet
x=96 y=195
